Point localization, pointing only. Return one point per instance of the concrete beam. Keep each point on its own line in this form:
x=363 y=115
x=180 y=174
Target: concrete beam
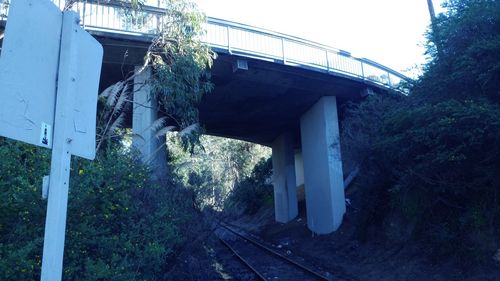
x=144 y=113
x=323 y=179
x=285 y=189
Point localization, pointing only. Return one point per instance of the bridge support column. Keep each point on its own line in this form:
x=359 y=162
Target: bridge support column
x=144 y=113
x=285 y=189
x=299 y=175
x=323 y=179
x=299 y=168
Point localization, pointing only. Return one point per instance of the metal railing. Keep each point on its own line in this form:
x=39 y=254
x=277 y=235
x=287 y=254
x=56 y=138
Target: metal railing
x=4 y=9
x=234 y=38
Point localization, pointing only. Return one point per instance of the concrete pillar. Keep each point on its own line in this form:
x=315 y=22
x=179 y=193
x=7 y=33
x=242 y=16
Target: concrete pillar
x=323 y=179
x=144 y=113
x=299 y=168
x=285 y=189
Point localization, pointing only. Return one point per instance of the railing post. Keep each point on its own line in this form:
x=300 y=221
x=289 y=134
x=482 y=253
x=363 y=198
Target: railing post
x=283 y=50
x=84 y=13
x=228 y=40
x=327 y=62
x=158 y=20
x=362 y=70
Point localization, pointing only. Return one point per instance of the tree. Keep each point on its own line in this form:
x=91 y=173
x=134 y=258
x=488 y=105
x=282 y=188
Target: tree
x=430 y=159
x=468 y=63
x=179 y=62
x=214 y=167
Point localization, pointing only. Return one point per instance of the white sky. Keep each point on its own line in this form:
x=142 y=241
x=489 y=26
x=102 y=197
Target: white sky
x=390 y=32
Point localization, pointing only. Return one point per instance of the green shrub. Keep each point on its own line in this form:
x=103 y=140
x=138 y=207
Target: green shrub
x=445 y=161
x=436 y=166
x=465 y=51
x=214 y=167
x=120 y=225
x=432 y=160
x=22 y=215
x=254 y=191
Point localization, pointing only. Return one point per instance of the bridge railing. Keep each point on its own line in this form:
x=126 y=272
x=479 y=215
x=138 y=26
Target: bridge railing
x=4 y=9
x=235 y=38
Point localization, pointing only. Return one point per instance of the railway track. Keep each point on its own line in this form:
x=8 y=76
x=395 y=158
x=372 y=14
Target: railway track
x=266 y=263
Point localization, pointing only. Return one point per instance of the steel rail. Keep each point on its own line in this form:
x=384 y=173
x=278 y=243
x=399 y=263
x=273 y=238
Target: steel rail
x=275 y=253
x=253 y=269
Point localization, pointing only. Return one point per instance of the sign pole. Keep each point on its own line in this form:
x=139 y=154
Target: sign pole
x=55 y=224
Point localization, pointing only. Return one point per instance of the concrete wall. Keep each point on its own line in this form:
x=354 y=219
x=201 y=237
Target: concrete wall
x=285 y=189
x=323 y=179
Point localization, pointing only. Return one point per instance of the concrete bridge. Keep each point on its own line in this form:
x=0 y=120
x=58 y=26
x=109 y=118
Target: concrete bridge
x=270 y=88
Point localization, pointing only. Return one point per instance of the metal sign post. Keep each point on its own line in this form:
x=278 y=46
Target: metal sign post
x=49 y=99
x=55 y=223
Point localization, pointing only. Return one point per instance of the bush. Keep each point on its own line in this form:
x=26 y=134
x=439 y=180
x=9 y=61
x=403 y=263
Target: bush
x=120 y=225
x=445 y=162
x=437 y=167
x=254 y=191
x=431 y=160
x=465 y=47
x=214 y=167
x=22 y=215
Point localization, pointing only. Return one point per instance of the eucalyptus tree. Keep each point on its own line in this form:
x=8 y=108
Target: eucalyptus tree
x=179 y=64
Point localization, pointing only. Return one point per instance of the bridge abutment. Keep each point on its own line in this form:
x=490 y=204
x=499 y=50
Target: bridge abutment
x=284 y=181
x=323 y=178
x=144 y=113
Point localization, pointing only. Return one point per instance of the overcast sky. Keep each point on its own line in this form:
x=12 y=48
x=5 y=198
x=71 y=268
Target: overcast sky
x=387 y=31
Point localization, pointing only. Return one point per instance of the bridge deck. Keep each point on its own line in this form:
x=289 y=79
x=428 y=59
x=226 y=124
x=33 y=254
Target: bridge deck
x=112 y=19
x=285 y=75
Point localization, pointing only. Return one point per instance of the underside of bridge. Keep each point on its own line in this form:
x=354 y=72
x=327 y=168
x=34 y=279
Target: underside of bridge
x=261 y=102
x=293 y=110
x=256 y=104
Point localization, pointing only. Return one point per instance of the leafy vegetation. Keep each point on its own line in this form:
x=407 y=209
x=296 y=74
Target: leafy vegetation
x=215 y=167
x=178 y=63
x=121 y=226
x=464 y=50
x=431 y=160
x=254 y=191
x=23 y=211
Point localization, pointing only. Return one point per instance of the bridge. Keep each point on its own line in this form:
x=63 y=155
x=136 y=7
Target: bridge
x=270 y=88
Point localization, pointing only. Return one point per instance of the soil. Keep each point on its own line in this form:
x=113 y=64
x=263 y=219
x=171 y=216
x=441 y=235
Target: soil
x=343 y=257
x=338 y=255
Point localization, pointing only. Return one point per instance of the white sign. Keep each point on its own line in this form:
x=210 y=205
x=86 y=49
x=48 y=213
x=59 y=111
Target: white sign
x=88 y=62
x=28 y=69
x=28 y=73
